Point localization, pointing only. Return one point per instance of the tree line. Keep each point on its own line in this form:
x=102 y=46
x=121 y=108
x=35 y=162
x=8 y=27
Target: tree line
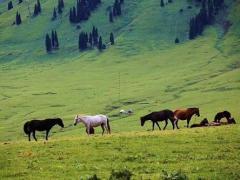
x=82 y=10
x=92 y=39
x=209 y=8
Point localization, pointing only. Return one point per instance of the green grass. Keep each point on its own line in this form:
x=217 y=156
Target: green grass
x=208 y=153
x=154 y=74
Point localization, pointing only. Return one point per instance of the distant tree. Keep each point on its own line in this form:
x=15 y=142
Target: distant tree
x=121 y=1
x=169 y=1
x=48 y=43
x=56 y=39
x=90 y=39
x=54 y=14
x=110 y=16
x=100 y=44
x=35 y=12
x=20 y=1
x=162 y=3
x=18 y=19
x=39 y=6
x=59 y=7
x=10 y=5
x=82 y=41
x=71 y=15
x=53 y=39
x=176 y=41
x=210 y=12
x=112 y=38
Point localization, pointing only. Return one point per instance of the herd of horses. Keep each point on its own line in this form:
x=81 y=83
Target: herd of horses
x=90 y=122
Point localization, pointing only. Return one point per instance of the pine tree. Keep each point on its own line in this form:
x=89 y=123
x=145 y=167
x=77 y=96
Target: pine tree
x=111 y=16
x=20 y=1
x=18 y=19
x=48 y=43
x=71 y=15
x=35 y=13
x=54 y=14
x=176 y=41
x=53 y=39
x=56 y=39
x=90 y=39
x=10 y=5
x=210 y=11
x=112 y=39
x=39 y=6
x=162 y=3
x=100 y=45
x=121 y=1
x=59 y=7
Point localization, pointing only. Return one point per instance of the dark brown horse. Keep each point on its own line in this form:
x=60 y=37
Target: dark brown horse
x=185 y=114
x=220 y=115
x=203 y=123
x=163 y=115
x=41 y=125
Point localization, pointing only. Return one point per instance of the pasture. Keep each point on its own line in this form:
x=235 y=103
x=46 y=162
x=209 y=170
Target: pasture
x=145 y=71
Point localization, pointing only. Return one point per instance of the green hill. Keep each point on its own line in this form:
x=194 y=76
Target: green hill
x=144 y=71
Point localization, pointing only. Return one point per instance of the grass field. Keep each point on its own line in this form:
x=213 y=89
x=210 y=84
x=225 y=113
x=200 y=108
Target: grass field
x=145 y=71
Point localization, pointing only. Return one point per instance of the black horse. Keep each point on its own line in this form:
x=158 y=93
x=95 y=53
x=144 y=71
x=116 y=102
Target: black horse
x=163 y=115
x=221 y=115
x=41 y=125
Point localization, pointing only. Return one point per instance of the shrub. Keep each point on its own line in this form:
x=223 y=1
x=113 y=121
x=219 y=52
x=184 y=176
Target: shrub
x=120 y=175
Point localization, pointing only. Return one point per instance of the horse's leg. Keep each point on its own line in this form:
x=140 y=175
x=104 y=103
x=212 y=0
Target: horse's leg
x=34 y=136
x=47 y=131
x=188 y=120
x=153 y=125
x=103 y=128
x=176 y=122
x=158 y=125
x=29 y=138
x=172 y=121
x=166 y=123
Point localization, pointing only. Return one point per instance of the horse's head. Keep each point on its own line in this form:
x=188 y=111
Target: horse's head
x=60 y=122
x=76 y=120
x=142 y=121
x=196 y=111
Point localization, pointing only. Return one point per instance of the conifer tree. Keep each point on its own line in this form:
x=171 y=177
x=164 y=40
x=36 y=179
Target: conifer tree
x=111 y=16
x=54 y=14
x=162 y=3
x=39 y=6
x=10 y=5
x=53 y=39
x=18 y=19
x=56 y=39
x=20 y=1
x=112 y=39
x=100 y=45
x=48 y=43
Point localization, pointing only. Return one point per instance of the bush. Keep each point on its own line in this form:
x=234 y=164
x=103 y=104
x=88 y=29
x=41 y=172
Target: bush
x=94 y=177
x=120 y=175
x=179 y=175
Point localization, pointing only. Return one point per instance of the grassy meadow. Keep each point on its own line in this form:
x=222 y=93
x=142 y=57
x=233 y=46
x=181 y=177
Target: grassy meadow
x=144 y=71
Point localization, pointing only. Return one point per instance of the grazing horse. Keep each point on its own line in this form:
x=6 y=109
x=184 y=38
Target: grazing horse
x=41 y=125
x=163 y=115
x=93 y=121
x=220 y=115
x=185 y=114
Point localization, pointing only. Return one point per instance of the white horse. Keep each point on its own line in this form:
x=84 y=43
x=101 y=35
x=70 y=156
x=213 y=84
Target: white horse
x=93 y=121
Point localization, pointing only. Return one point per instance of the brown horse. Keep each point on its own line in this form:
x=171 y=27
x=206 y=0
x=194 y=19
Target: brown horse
x=185 y=114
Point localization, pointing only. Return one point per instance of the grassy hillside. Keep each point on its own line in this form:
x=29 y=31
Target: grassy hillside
x=144 y=71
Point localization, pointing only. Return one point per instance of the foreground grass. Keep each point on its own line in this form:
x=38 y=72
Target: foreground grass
x=208 y=153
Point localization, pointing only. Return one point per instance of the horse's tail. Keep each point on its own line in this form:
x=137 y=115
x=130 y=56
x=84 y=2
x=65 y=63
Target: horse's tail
x=108 y=125
x=26 y=128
